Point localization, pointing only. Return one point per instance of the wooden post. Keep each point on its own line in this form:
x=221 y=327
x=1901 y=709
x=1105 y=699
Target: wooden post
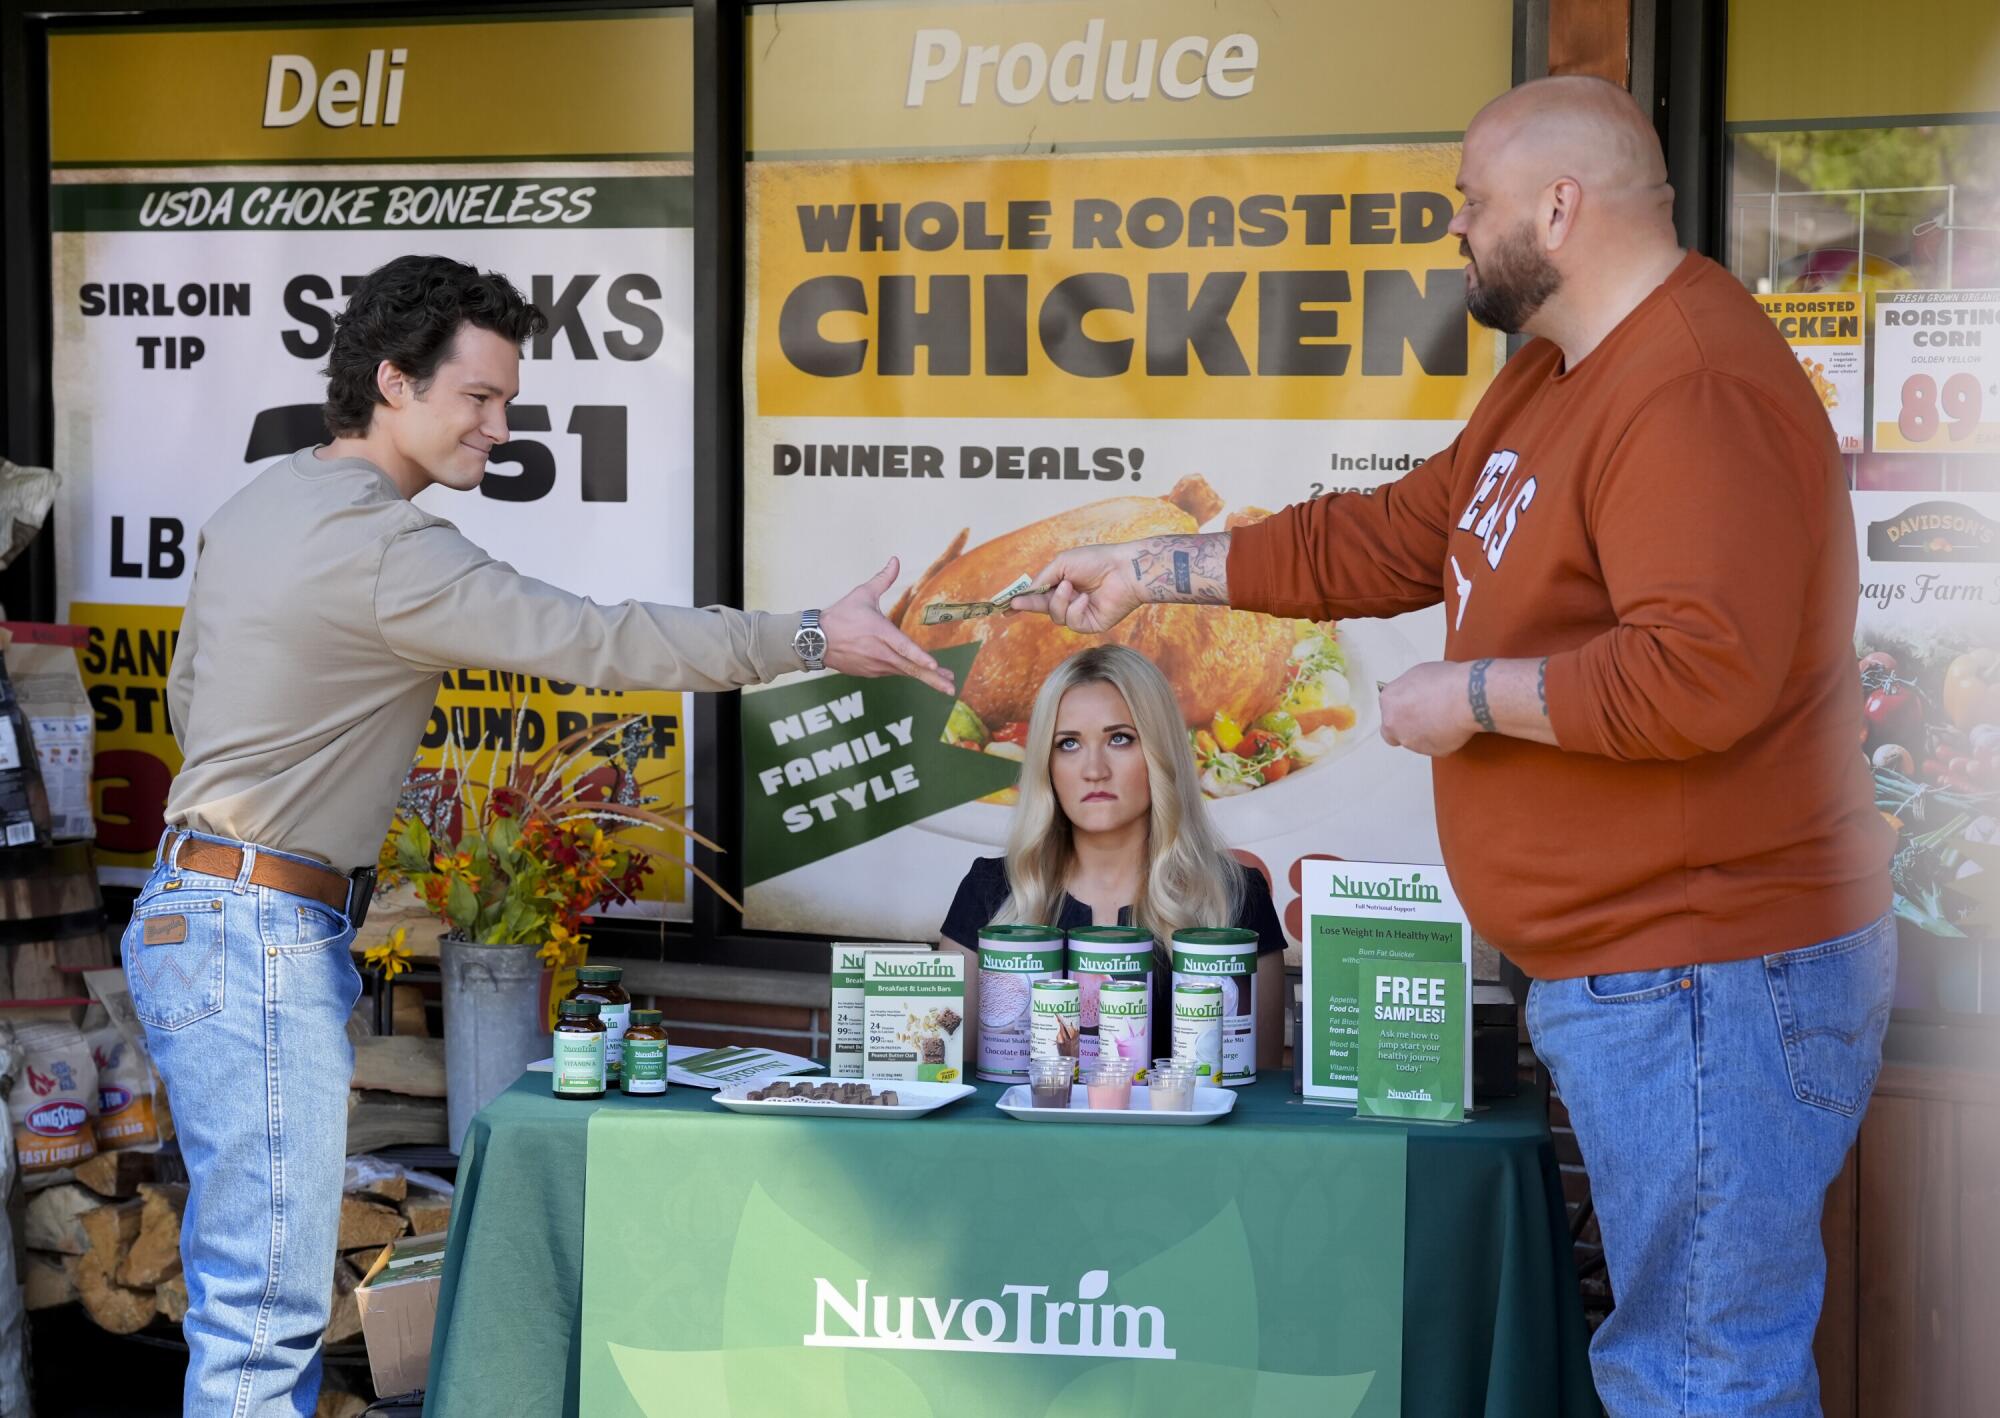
x=1591 y=37
x=51 y=917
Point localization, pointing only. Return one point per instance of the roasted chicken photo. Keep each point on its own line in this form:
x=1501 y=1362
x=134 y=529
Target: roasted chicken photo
x=1260 y=695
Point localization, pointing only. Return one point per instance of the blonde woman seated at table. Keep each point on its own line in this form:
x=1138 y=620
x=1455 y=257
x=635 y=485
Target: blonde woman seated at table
x=1111 y=830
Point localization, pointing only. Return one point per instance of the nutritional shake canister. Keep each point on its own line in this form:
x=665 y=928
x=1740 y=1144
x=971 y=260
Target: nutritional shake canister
x=1198 y=1029
x=1098 y=954
x=1053 y=1031
x=1125 y=1022
x=1011 y=959
x=1226 y=957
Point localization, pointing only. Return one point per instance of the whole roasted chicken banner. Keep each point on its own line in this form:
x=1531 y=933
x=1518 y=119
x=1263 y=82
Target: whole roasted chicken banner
x=207 y=232
x=974 y=363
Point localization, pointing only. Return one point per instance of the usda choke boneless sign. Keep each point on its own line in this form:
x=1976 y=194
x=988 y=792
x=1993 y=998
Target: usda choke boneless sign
x=207 y=232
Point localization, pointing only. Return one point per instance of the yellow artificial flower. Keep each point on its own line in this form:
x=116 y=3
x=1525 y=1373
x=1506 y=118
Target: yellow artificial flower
x=392 y=956
x=560 y=945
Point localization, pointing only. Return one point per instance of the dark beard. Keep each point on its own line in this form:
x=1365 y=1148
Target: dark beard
x=1515 y=280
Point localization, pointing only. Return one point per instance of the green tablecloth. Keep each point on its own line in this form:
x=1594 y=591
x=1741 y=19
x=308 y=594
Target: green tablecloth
x=1486 y=1256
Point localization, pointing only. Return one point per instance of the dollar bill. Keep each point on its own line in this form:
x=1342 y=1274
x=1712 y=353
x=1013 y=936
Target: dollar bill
x=944 y=612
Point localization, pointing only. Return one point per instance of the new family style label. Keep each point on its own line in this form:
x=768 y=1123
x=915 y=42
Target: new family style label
x=833 y=761
x=1363 y=917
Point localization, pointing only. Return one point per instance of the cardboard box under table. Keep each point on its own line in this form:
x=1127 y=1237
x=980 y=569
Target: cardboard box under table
x=398 y=1300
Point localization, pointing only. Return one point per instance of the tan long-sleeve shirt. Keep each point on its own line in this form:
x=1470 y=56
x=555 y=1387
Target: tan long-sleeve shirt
x=324 y=610
x=1668 y=523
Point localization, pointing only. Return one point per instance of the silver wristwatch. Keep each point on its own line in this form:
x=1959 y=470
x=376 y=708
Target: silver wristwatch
x=810 y=641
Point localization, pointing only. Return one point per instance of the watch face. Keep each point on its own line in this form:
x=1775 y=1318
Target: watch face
x=810 y=642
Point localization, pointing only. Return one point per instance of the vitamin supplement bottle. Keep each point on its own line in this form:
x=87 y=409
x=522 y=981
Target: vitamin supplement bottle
x=578 y=1069
x=645 y=1054
x=600 y=983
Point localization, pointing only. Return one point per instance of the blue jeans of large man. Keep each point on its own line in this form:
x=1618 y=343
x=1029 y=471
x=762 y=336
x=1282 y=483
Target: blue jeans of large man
x=1714 y=1105
x=245 y=993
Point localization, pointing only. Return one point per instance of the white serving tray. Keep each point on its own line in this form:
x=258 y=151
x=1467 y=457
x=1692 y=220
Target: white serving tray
x=915 y=1099
x=1209 y=1104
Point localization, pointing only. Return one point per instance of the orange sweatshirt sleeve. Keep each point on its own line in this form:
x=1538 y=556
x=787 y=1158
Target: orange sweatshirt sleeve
x=1706 y=526
x=1349 y=553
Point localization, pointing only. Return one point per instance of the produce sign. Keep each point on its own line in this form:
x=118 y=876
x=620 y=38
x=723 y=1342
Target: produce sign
x=1048 y=275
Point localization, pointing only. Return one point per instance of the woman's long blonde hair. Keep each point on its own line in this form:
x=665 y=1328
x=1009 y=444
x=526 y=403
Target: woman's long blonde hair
x=1186 y=878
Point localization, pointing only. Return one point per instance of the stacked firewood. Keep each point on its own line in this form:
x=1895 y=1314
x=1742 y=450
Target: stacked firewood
x=110 y=1240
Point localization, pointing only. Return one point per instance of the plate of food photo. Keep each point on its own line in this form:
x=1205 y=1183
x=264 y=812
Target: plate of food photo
x=1268 y=701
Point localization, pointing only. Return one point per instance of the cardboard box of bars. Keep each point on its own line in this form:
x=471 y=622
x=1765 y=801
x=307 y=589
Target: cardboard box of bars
x=398 y=1300
x=915 y=1005
x=848 y=1058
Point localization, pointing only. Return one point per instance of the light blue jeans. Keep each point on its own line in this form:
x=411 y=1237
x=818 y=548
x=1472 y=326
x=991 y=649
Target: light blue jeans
x=1714 y=1105
x=245 y=993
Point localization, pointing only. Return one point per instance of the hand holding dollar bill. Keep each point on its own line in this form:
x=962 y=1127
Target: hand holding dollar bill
x=944 y=612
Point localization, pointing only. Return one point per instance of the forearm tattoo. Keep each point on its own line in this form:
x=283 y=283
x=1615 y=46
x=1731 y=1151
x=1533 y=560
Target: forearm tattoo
x=1542 y=685
x=1186 y=568
x=1476 y=691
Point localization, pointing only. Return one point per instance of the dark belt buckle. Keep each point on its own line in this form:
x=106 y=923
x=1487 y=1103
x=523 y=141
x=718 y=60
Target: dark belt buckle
x=360 y=891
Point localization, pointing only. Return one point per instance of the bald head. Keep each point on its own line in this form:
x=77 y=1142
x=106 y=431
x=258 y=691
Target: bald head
x=1575 y=127
x=1566 y=204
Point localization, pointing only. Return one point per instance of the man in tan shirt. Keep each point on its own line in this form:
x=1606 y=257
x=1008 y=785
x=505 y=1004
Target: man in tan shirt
x=324 y=609
x=1646 y=732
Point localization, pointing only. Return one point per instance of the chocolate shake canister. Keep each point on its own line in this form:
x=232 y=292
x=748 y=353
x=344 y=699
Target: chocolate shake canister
x=1052 y=1033
x=1011 y=960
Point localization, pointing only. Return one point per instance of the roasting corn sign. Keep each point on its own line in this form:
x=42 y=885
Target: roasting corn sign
x=218 y=193
x=1127 y=272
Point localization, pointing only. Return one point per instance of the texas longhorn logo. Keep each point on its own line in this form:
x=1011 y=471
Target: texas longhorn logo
x=1493 y=518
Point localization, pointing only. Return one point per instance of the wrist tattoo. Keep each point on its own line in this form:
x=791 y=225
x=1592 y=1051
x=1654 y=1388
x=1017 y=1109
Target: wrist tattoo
x=1183 y=568
x=1476 y=691
x=1542 y=685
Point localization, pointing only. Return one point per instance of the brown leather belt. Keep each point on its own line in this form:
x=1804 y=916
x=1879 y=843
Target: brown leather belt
x=321 y=884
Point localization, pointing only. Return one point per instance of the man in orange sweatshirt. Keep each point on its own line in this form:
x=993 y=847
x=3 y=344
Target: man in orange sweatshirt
x=1646 y=731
